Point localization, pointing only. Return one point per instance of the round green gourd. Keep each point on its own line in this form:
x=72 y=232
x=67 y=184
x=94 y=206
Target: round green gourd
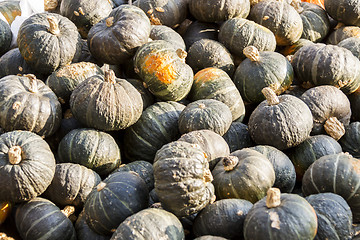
x=238 y=136
x=200 y=30
x=352 y=44
x=84 y=232
x=147 y=98
x=345 y=11
x=5 y=37
x=292 y=49
x=351 y=139
x=341 y=33
x=163 y=32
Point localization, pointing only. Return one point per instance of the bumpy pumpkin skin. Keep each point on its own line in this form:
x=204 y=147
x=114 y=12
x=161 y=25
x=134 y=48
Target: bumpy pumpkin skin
x=84 y=232
x=26 y=103
x=5 y=38
x=345 y=11
x=163 y=70
x=352 y=44
x=162 y=32
x=151 y=224
x=43 y=50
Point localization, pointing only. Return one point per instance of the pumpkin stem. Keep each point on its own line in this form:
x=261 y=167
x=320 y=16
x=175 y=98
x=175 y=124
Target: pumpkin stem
x=100 y=186
x=252 y=53
x=270 y=96
x=130 y=2
x=156 y=205
x=273 y=198
x=297 y=5
x=54 y=26
x=50 y=5
x=109 y=21
x=334 y=128
x=33 y=83
x=68 y=211
x=181 y=53
x=201 y=106
x=290 y=58
x=110 y=76
x=230 y=162
x=339 y=25
x=208 y=177
x=14 y=155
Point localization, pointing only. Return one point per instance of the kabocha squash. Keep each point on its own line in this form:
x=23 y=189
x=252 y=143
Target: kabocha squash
x=281 y=122
x=292 y=49
x=352 y=44
x=238 y=33
x=113 y=200
x=342 y=33
x=336 y=173
x=5 y=37
x=114 y=39
x=345 y=11
x=333 y=214
x=218 y=11
x=321 y=64
x=208 y=114
x=281 y=18
x=147 y=98
x=224 y=218
x=238 y=136
x=91 y=148
x=48 y=41
x=162 y=32
x=280 y=216
x=182 y=178
x=163 y=70
x=351 y=139
x=84 y=232
x=200 y=30
x=10 y=10
x=41 y=219
x=330 y=108
x=158 y=125
x=26 y=103
x=106 y=102
x=214 y=83
x=260 y=70
x=245 y=174
x=85 y=13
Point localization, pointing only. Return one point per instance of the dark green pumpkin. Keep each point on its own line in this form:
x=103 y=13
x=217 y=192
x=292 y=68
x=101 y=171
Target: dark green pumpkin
x=245 y=174
x=352 y=44
x=342 y=33
x=334 y=216
x=163 y=32
x=5 y=37
x=114 y=199
x=182 y=178
x=345 y=11
x=293 y=48
x=214 y=83
x=224 y=218
x=84 y=54
x=41 y=219
x=200 y=30
x=158 y=125
x=84 y=232
x=26 y=103
x=351 y=139
x=147 y=98
x=238 y=136
x=336 y=173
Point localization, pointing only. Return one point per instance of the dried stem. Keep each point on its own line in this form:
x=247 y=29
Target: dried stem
x=270 y=95
x=273 y=198
x=54 y=25
x=14 y=155
x=230 y=162
x=334 y=128
x=252 y=53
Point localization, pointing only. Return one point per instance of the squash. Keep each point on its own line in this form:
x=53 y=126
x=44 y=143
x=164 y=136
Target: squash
x=292 y=49
x=238 y=136
x=344 y=11
x=354 y=104
x=163 y=32
x=5 y=38
x=341 y=33
x=10 y=10
x=351 y=139
x=84 y=232
x=200 y=30
x=352 y=44
x=147 y=98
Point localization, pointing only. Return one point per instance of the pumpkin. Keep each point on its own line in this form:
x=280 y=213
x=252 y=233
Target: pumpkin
x=343 y=11
x=163 y=70
x=91 y=148
x=114 y=199
x=182 y=178
x=208 y=114
x=334 y=216
x=330 y=108
x=200 y=30
x=341 y=33
x=336 y=173
x=115 y=38
x=354 y=104
x=28 y=104
x=84 y=54
x=238 y=136
x=281 y=216
x=245 y=174
x=352 y=44
x=281 y=122
x=106 y=102
x=84 y=232
x=210 y=53
x=218 y=11
x=5 y=210
x=307 y=152
x=48 y=41
x=321 y=64
x=147 y=98
x=224 y=218
x=260 y=70
x=5 y=38
x=84 y=13
x=214 y=83
x=10 y=10
x=281 y=18
x=238 y=33
x=39 y=218
x=158 y=125
x=350 y=141
x=292 y=49
x=163 y=32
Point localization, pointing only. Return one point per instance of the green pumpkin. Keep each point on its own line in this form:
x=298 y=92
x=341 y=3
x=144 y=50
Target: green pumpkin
x=351 y=139
x=354 y=104
x=341 y=33
x=238 y=136
x=5 y=37
x=345 y=11
x=200 y=30
x=84 y=232
x=163 y=32
x=147 y=98
x=352 y=44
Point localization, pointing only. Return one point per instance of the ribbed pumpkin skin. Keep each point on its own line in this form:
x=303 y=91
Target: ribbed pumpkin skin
x=94 y=149
x=10 y=10
x=84 y=232
x=345 y=11
x=295 y=218
x=223 y=218
x=41 y=219
x=322 y=64
x=85 y=13
x=158 y=125
x=21 y=109
x=342 y=33
x=124 y=194
x=210 y=53
x=5 y=38
x=164 y=72
x=44 y=51
x=351 y=140
x=238 y=136
x=27 y=180
x=150 y=224
x=104 y=105
x=334 y=216
x=71 y=184
x=271 y=70
x=352 y=44
x=292 y=49
x=218 y=11
x=179 y=172
x=281 y=18
x=337 y=173
x=200 y=30
x=117 y=43
x=238 y=33
x=250 y=179
x=214 y=83
x=162 y=32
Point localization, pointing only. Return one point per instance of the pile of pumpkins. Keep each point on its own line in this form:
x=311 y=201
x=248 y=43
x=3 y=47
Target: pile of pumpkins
x=181 y=119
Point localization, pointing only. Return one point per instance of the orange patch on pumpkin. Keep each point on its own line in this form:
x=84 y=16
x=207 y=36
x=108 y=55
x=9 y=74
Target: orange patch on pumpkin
x=161 y=67
x=206 y=74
